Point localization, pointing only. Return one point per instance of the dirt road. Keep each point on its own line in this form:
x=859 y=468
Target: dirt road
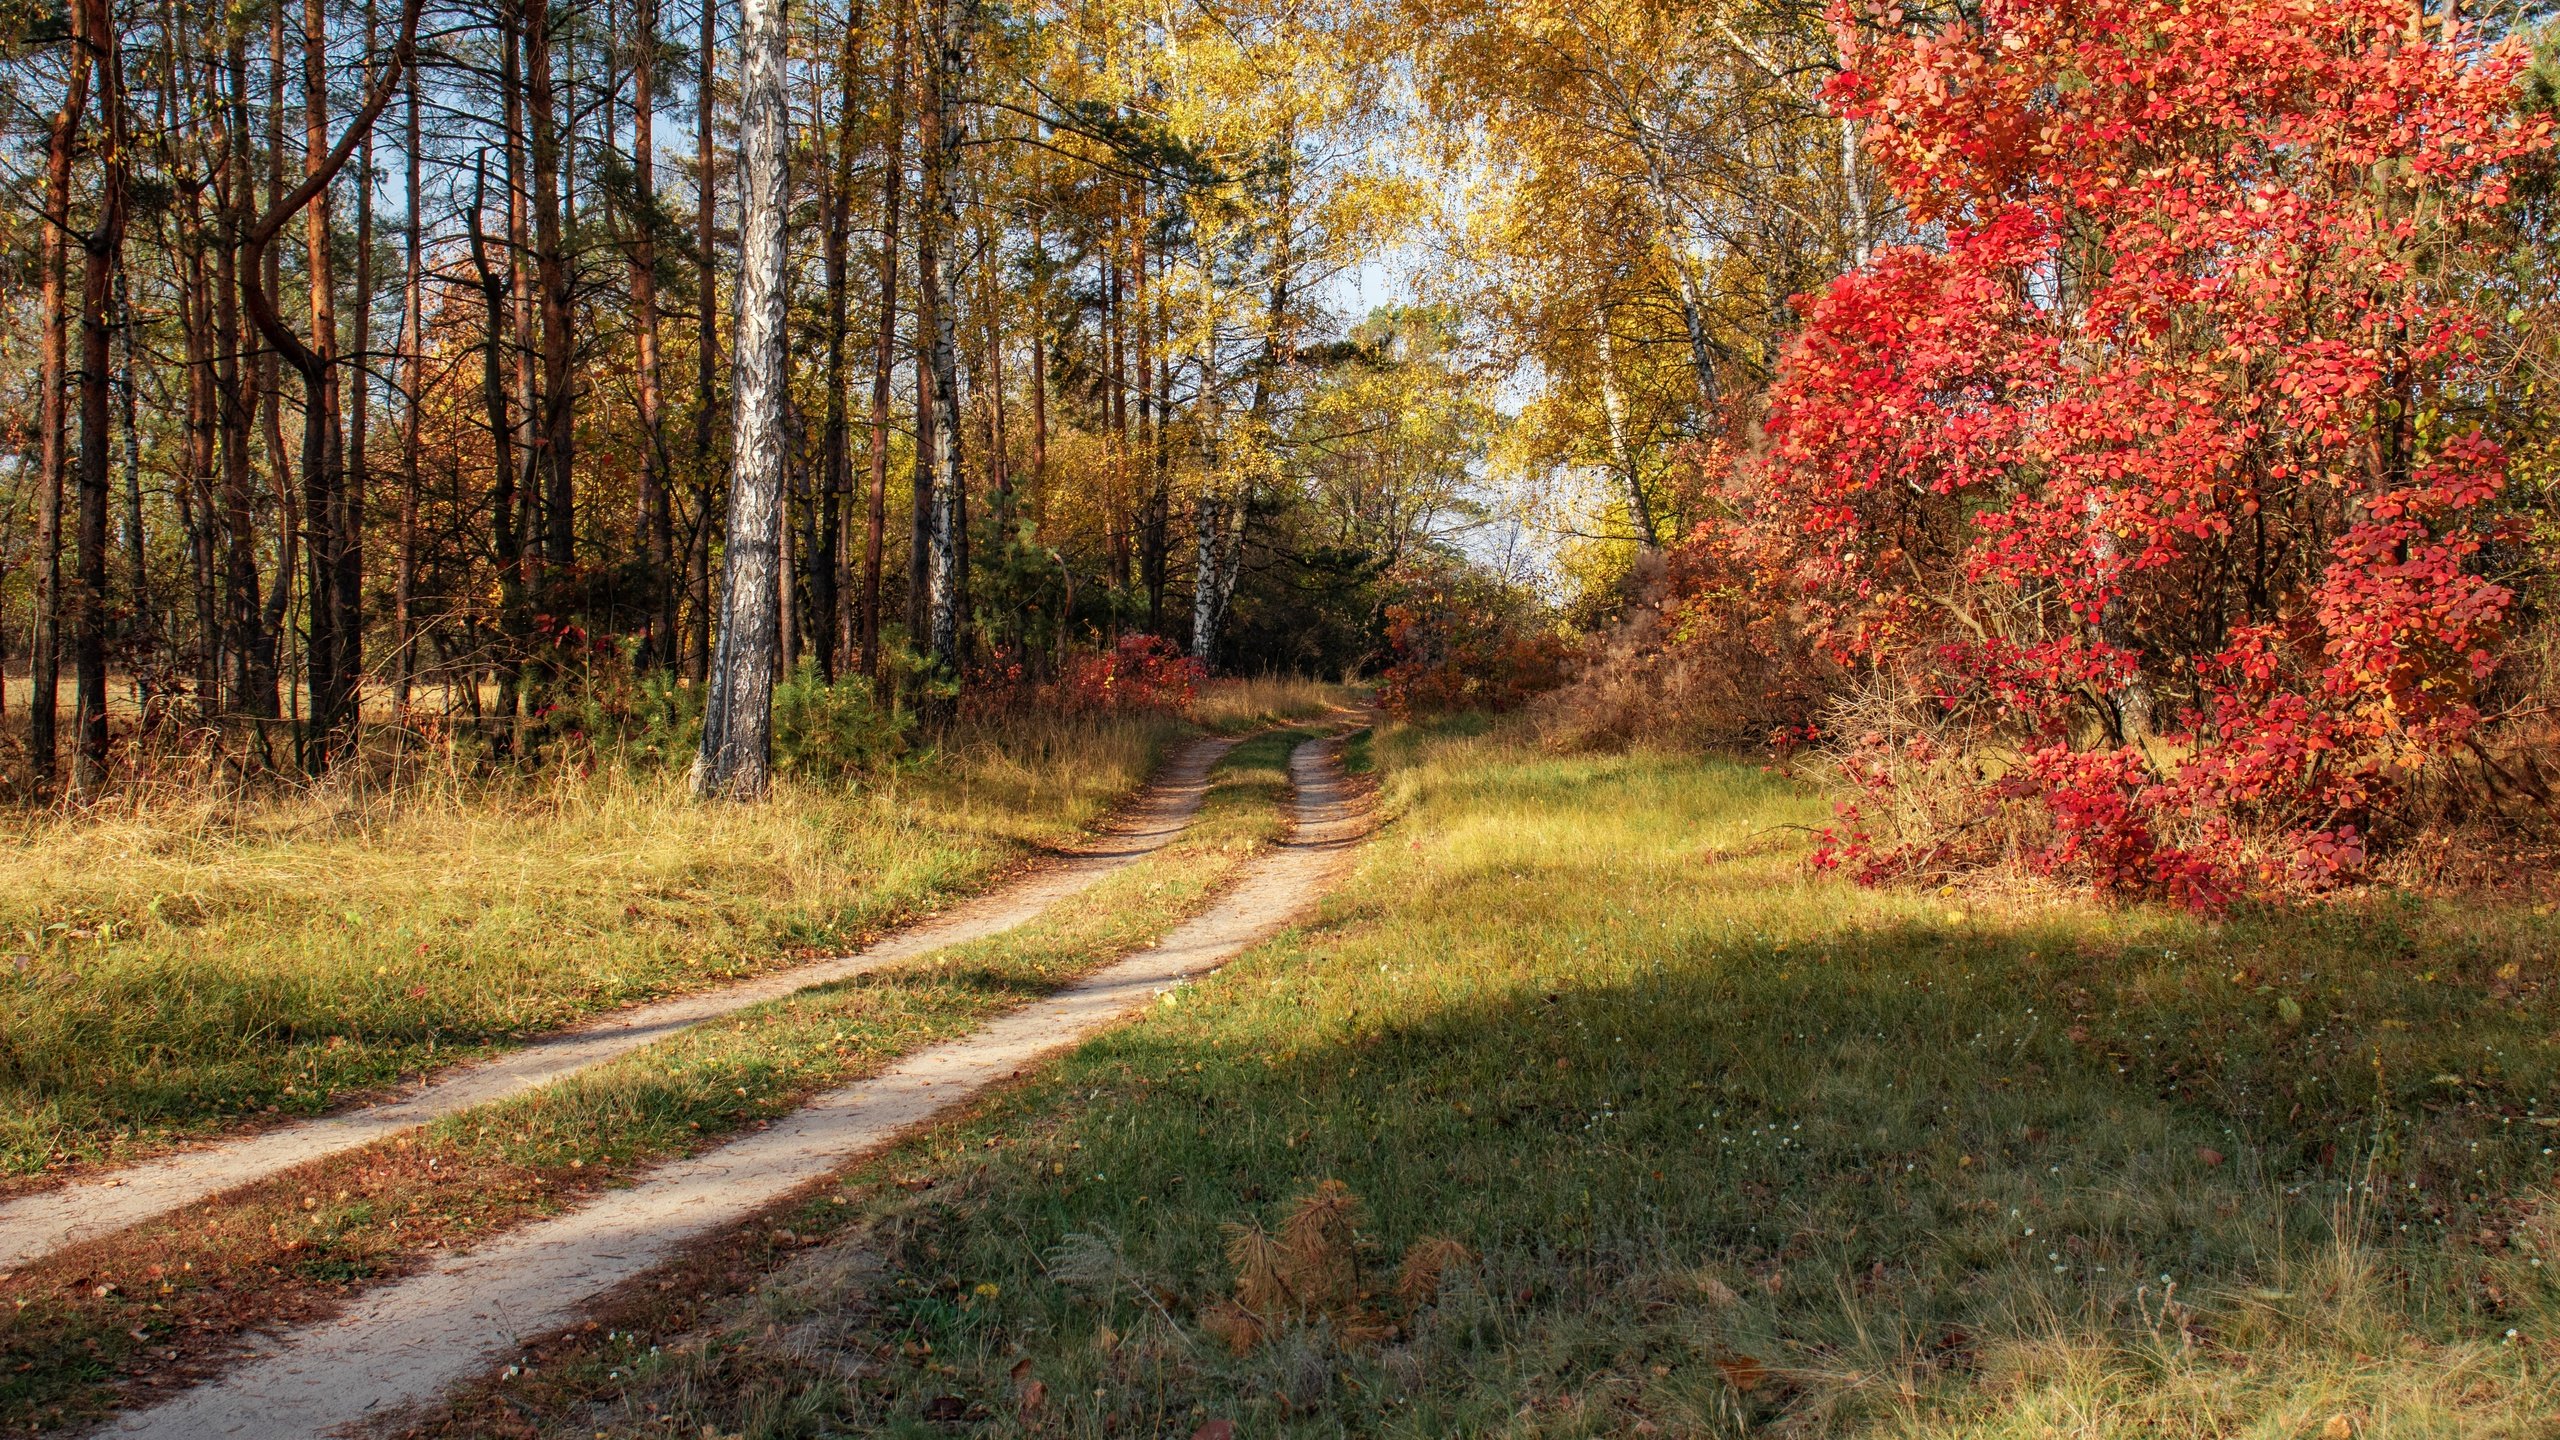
x=402 y=1345
x=39 y=1224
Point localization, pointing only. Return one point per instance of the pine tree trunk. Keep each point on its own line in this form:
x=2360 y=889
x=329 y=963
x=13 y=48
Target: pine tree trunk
x=558 y=415
x=706 y=355
x=354 y=478
x=333 y=658
x=143 y=634
x=657 y=513
x=103 y=248
x=893 y=182
x=504 y=536
x=523 y=674
x=523 y=266
x=43 y=712
x=737 y=728
x=830 y=567
x=249 y=684
x=264 y=268
x=404 y=587
x=196 y=489
x=323 y=504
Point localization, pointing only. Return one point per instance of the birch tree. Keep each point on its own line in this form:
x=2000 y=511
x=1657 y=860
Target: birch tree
x=737 y=725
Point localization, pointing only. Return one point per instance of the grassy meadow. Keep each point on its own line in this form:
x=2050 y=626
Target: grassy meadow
x=171 y=967
x=1245 y=704
x=131 y=1311
x=1587 y=1110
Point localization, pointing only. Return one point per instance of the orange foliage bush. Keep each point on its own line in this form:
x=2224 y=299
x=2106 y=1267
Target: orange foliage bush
x=1450 y=647
x=1142 y=672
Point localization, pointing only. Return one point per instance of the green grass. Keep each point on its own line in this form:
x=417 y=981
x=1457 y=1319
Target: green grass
x=359 y=1217
x=166 y=971
x=760 y=1062
x=1733 y=1149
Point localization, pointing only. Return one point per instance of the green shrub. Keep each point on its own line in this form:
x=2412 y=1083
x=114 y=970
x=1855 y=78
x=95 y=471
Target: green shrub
x=824 y=728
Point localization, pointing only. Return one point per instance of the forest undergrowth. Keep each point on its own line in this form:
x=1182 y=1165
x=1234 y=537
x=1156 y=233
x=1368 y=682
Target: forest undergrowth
x=1589 y=1108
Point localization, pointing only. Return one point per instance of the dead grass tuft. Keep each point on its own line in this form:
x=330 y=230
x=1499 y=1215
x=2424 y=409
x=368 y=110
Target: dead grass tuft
x=1237 y=705
x=1425 y=1266
x=1309 y=1274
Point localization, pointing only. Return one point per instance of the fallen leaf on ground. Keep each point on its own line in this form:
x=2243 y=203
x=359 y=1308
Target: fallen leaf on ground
x=1743 y=1372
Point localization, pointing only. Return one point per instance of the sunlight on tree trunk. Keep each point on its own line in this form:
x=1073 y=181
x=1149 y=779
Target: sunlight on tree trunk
x=737 y=728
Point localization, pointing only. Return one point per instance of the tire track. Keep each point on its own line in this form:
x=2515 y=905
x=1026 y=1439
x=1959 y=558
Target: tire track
x=404 y=1344
x=35 y=1226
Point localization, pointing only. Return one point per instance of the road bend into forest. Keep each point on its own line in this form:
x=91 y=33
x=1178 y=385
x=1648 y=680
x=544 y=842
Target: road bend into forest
x=403 y=1345
x=35 y=1226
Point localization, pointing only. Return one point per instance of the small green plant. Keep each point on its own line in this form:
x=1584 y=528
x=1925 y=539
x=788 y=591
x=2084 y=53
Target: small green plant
x=665 y=728
x=824 y=729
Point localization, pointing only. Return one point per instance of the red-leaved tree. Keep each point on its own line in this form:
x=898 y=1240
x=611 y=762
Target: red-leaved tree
x=2163 y=464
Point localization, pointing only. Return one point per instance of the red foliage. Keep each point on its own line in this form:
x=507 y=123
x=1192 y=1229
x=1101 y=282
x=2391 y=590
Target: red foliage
x=1142 y=672
x=2164 y=435
x=1449 y=650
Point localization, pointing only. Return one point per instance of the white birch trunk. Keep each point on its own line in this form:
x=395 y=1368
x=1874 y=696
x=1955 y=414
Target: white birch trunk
x=1206 y=524
x=943 y=579
x=737 y=722
x=1621 y=454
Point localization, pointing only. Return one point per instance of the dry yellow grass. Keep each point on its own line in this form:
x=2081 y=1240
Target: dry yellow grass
x=167 y=968
x=1234 y=706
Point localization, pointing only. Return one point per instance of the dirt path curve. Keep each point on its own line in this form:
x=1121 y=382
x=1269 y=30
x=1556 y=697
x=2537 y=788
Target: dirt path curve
x=406 y=1343
x=36 y=1225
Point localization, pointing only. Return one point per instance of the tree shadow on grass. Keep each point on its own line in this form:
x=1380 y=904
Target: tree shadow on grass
x=1898 y=1175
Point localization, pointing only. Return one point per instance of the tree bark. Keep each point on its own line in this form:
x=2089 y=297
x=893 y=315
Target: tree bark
x=657 y=513
x=520 y=315
x=830 y=568
x=1039 y=374
x=265 y=267
x=737 y=728
x=323 y=435
x=1204 y=576
x=945 y=579
x=506 y=538
x=413 y=350
x=356 y=477
x=556 y=437
x=1622 y=457
x=706 y=353
x=142 y=630
x=1119 y=510
x=196 y=489
x=249 y=683
x=43 y=712
x=1150 y=434
x=103 y=257
x=893 y=182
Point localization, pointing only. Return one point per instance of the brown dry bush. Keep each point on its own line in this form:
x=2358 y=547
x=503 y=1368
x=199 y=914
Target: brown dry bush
x=2488 y=816
x=1698 y=657
x=1310 y=1272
